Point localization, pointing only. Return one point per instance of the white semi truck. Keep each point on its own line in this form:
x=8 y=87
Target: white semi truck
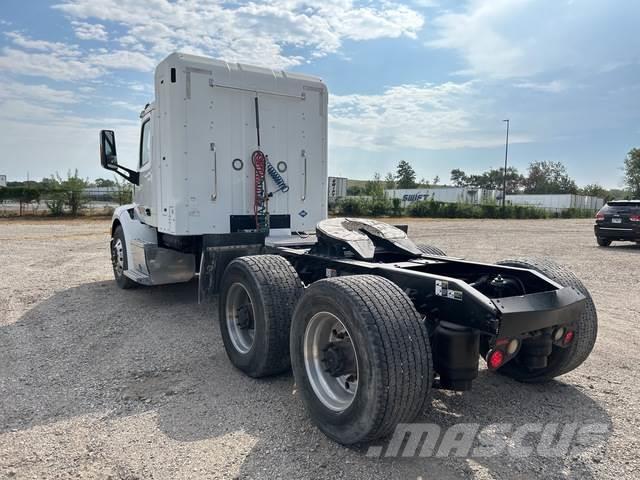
x=230 y=188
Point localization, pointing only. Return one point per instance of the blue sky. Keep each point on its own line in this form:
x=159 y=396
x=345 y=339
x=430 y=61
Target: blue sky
x=426 y=81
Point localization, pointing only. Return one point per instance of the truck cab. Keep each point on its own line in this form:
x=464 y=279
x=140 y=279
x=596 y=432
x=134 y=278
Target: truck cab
x=196 y=175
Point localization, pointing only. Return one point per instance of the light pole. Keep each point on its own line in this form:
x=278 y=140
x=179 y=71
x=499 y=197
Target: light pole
x=504 y=173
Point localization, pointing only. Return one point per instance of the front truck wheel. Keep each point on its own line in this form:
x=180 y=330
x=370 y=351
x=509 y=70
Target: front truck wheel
x=361 y=357
x=119 y=259
x=561 y=360
x=257 y=297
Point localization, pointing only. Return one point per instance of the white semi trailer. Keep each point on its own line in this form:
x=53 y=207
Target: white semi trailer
x=230 y=187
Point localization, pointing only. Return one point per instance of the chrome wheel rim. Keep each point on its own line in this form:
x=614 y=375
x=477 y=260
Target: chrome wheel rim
x=336 y=388
x=240 y=318
x=117 y=257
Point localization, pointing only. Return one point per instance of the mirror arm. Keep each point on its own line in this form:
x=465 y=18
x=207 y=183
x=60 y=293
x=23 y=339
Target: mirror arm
x=130 y=175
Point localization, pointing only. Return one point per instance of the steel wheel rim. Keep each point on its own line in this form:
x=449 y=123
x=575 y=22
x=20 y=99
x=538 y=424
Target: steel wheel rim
x=238 y=298
x=335 y=393
x=118 y=257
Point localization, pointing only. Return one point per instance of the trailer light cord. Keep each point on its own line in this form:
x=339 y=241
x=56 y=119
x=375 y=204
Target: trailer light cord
x=277 y=178
x=260 y=205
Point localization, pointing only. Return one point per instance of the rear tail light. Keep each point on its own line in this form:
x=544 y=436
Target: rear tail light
x=495 y=359
x=635 y=218
x=600 y=216
x=568 y=337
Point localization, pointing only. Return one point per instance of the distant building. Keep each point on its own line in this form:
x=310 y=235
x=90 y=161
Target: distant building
x=3 y=180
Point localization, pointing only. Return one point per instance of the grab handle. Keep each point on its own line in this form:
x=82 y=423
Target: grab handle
x=304 y=187
x=214 y=195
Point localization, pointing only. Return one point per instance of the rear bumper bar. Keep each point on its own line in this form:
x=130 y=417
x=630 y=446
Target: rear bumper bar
x=625 y=232
x=537 y=311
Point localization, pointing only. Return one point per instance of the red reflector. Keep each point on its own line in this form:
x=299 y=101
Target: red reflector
x=635 y=218
x=568 y=337
x=495 y=359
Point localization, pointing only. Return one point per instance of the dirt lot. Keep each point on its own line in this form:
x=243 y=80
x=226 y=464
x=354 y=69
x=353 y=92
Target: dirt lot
x=96 y=382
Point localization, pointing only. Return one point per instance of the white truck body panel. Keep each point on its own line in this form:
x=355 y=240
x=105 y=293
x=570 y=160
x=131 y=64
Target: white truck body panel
x=205 y=119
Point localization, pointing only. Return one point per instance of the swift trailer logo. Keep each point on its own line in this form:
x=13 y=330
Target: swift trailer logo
x=470 y=440
x=415 y=197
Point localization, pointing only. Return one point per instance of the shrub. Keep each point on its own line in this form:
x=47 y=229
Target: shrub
x=353 y=206
x=397 y=207
x=380 y=206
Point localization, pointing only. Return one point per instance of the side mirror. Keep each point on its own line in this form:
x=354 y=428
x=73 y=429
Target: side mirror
x=109 y=157
x=108 y=154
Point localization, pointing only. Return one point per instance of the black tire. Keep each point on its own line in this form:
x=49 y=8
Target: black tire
x=119 y=259
x=274 y=288
x=430 y=250
x=603 y=242
x=392 y=351
x=561 y=360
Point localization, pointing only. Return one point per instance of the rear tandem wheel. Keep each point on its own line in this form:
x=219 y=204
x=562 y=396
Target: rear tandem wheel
x=361 y=357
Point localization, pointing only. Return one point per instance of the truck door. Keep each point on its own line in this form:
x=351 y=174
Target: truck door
x=144 y=193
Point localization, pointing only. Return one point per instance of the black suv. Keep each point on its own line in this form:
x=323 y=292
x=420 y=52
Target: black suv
x=618 y=220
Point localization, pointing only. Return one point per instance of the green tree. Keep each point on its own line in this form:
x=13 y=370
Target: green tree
x=390 y=181
x=459 y=178
x=595 y=190
x=375 y=187
x=74 y=195
x=490 y=180
x=123 y=191
x=406 y=175
x=104 y=182
x=632 y=172
x=67 y=192
x=436 y=180
x=549 y=177
x=354 y=190
x=54 y=195
x=493 y=180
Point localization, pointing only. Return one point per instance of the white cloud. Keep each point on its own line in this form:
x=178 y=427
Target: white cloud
x=127 y=106
x=49 y=64
x=554 y=86
x=44 y=139
x=253 y=32
x=59 y=48
x=122 y=59
x=90 y=31
x=414 y=116
x=525 y=38
x=38 y=93
x=60 y=61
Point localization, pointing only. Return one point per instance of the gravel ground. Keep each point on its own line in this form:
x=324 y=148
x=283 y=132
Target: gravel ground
x=97 y=382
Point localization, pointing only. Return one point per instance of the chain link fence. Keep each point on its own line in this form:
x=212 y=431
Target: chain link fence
x=38 y=201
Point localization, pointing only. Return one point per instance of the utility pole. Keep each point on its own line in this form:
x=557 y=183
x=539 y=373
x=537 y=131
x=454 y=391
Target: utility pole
x=504 y=173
